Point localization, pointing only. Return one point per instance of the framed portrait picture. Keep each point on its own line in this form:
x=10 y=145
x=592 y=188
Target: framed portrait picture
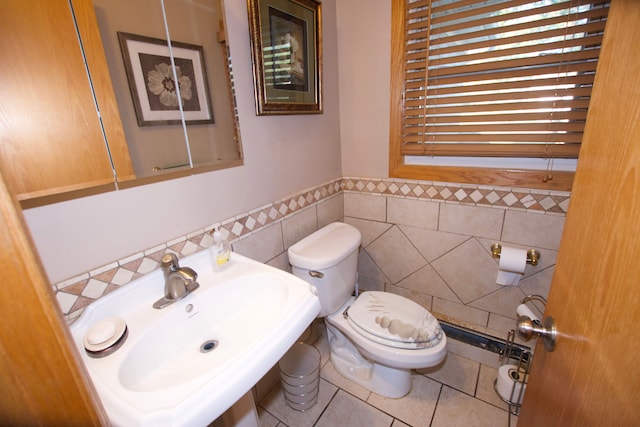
x=286 y=48
x=157 y=89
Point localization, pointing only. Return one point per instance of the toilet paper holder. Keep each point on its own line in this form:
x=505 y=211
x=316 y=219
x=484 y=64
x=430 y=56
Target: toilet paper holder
x=533 y=255
x=516 y=362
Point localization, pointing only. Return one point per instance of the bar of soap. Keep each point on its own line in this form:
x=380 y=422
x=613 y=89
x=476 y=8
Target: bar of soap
x=104 y=334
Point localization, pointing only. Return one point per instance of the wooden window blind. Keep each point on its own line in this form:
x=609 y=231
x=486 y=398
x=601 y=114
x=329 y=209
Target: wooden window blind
x=497 y=78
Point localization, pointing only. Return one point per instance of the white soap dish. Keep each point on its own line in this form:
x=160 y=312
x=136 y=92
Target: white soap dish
x=105 y=337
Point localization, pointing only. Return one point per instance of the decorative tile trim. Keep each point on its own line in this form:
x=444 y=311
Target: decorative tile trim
x=76 y=293
x=556 y=202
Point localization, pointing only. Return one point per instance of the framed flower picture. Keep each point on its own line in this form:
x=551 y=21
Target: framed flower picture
x=159 y=90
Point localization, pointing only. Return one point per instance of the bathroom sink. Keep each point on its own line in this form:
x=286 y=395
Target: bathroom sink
x=187 y=363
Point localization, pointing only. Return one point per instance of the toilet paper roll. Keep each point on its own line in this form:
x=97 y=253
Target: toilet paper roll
x=510 y=384
x=523 y=310
x=512 y=264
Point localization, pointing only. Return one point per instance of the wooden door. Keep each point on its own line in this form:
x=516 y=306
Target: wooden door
x=592 y=378
x=42 y=379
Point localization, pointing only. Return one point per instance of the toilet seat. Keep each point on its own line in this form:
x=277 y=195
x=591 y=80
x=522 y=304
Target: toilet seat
x=380 y=351
x=394 y=321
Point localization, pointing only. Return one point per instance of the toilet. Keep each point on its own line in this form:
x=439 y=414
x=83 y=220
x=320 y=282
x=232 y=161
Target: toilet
x=375 y=338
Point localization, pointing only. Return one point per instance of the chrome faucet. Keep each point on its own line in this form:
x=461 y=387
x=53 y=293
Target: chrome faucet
x=178 y=281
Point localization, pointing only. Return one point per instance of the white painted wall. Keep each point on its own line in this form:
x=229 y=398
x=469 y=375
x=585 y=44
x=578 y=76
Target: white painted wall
x=364 y=45
x=283 y=155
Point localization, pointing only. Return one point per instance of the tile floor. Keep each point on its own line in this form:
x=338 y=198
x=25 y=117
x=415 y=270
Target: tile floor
x=458 y=393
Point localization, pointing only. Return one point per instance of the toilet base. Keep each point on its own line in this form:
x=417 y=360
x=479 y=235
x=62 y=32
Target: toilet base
x=380 y=379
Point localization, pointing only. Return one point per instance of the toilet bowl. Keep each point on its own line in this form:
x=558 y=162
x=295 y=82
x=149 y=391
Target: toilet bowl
x=377 y=337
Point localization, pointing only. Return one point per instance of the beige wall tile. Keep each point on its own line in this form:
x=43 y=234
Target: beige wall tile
x=366 y=284
x=403 y=252
x=499 y=326
x=281 y=261
x=538 y=284
x=299 y=225
x=370 y=230
x=263 y=245
x=468 y=270
x=365 y=206
x=432 y=244
x=504 y=301
x=266 y=383
x=471 y=220
x=368 y=269
x=474 y=353
x=330 y=210
x=427 y=280
x=395 y=255
x=460 y=312
x=421 y=298
x=533 y=229
x=416 y=213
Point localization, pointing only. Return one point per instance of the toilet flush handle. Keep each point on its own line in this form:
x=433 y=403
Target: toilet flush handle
x=316 y=274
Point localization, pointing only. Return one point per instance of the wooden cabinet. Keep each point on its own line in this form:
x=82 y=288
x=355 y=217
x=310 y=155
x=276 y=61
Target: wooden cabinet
x=51 y=134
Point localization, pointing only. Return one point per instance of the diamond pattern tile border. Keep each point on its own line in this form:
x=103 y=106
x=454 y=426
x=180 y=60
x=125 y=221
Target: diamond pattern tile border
x=76 y=293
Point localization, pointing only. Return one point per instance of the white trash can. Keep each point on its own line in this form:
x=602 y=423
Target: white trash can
x=300 y=375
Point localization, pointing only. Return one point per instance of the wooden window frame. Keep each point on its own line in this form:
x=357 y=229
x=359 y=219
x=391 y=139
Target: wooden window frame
x=398 y=168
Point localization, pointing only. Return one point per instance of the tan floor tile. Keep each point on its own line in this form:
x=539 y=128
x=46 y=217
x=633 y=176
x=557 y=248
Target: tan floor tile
x=330 y=374
x=274 y=404
x=486 y=390
x=346 y=410
x=266 y=419
x=457 y=372
x=456 y=409
x=416 y=408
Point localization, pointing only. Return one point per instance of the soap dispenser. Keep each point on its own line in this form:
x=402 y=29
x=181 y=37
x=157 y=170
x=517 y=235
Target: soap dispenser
x=220 y=252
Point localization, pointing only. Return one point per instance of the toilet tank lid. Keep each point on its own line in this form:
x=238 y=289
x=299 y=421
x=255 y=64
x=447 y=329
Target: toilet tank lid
x=325 y=247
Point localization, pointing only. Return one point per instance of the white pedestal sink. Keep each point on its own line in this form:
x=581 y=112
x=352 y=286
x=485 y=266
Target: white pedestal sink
x=187 y=363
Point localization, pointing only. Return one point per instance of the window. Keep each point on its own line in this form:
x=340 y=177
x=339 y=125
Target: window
x=492 y=79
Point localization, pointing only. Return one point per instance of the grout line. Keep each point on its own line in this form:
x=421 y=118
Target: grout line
x=435 y=409
x=328 y=403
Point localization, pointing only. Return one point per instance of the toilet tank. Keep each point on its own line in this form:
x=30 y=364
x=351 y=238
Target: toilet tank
x=328 y=259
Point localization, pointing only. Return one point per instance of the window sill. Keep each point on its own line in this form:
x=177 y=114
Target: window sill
x=520 y=178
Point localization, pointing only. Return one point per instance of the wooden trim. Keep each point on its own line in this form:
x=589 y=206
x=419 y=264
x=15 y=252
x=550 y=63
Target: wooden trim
x=561 y=181
x=87 y=25
x=42 y=378
x=398 y=30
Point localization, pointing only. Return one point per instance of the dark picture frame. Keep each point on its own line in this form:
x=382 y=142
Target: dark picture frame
x=286 y=49
x=150 y=75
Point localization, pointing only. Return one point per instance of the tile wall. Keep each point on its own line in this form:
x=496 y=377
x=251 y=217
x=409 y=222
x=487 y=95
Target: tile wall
x=424 y=240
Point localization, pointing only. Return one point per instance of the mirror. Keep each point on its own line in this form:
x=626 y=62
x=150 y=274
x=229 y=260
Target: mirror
x=164 y=139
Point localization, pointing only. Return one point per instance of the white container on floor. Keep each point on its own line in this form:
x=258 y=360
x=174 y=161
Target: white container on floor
x=300 y=375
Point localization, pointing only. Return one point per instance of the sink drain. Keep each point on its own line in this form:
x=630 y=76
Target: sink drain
x=208 y=346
